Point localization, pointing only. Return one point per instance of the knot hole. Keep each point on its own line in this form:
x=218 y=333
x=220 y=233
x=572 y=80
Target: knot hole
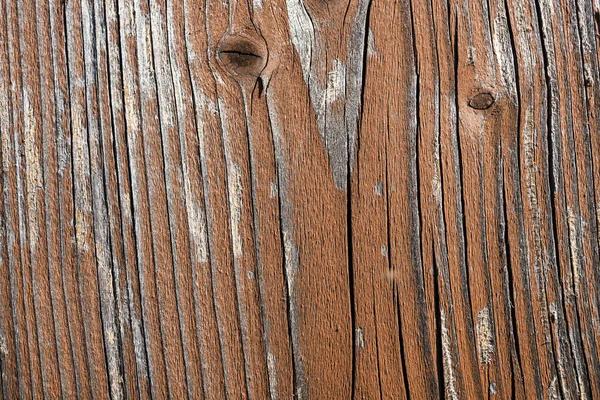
x=242 y=55
x=482 y=101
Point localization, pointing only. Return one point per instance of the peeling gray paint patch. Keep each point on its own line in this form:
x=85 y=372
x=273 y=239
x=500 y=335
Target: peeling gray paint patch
x=197 y=226
x=235 y=206
x=379 y=188
x=273 y=190
x=330 y=119
x=471 y=55
x=493 y=390
x=436 y=183
x=272 y=370
x=448 y=364
x=3 y=346
x=371 y=50
x=485 y=336
x=360 y=338
x=302 y=33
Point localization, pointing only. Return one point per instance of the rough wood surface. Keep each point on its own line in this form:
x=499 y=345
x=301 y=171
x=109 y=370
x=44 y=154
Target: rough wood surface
x=307 y=199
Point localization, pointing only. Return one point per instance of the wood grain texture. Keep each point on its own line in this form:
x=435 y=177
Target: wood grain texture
x=278 y=199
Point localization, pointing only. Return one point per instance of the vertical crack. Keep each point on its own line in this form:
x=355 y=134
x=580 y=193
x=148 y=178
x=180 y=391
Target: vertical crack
x=289 y=263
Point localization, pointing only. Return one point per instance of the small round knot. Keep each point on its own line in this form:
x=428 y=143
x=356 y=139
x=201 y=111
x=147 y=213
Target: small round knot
x=482 y=101
x=241 y=56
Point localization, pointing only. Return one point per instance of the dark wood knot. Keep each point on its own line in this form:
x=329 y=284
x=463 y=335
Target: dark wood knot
x=241 y=56
x=482 y=101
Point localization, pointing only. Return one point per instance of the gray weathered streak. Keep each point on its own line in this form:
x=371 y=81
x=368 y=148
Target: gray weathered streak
x=291 y=260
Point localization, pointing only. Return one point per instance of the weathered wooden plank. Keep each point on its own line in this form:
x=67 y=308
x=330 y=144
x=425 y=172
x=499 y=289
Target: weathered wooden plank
x=299 y=199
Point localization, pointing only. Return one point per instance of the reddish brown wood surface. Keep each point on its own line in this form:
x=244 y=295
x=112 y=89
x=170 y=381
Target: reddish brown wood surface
x=278 y=199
